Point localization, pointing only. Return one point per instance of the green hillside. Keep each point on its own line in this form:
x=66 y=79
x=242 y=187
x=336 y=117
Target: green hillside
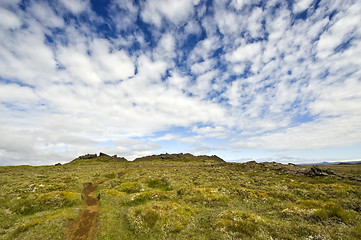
x=180 y=196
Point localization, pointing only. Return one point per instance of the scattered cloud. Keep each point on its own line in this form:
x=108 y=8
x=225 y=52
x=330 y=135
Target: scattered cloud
x=301 y=5
x=75 y=6
x=176 y=12
x=166 y=137
x=212 y=77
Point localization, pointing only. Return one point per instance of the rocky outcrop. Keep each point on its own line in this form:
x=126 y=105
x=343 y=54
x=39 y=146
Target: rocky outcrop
x=181 y=157
x=316 y=171
x=290 y=169
x=114 y=157
x=104 y=155
x=101 y=157
x=87 y=156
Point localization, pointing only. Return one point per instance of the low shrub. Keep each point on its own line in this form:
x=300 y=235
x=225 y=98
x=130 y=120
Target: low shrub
x=142 y=197
x=130 y=187
x=333 y=210
x=238 y=223
x=110 y=175
x=159 y=217
x=162 y=183
x=45 y=201
x=207 y=196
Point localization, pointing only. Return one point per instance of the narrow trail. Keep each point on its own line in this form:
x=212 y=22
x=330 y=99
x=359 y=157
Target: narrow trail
x=86 y=224
x=85 y=227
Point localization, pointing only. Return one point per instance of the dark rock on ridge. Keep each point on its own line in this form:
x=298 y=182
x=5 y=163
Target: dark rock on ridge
x=102 y=156
x=185 y=157
x=87 y=156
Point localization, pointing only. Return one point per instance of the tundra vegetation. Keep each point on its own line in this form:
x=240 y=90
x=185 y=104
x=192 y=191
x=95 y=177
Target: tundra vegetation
x=181 y=196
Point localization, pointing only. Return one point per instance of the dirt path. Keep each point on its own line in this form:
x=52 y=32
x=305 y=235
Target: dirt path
x=85 y=227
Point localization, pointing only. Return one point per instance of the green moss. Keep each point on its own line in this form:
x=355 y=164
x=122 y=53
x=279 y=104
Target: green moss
x=332 y=210
x=27 y=225
x=110 y=175
x=36 y=202
x=111 y=192
x=356 y=232
x=249 y=193
x=162 y=183
x=130 y=187
x=208 y=196
x=142 y=197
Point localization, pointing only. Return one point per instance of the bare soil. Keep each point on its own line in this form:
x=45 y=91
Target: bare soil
x=85 y=227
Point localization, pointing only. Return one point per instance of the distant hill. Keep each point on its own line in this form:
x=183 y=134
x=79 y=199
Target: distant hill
x=181 y=157
x=334 y=163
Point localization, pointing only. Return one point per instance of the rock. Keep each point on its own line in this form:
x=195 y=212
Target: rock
x=180 y=157
x=103 y=155
x=58 y=164
x=316 y=171
x=114 y=157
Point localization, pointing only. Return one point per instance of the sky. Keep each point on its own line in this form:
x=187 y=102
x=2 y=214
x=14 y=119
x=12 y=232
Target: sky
x=242 y=79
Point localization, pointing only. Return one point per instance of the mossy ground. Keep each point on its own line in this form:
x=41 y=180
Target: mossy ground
x=180 y=200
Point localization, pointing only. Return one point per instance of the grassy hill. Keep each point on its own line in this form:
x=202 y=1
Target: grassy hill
x=182 y=196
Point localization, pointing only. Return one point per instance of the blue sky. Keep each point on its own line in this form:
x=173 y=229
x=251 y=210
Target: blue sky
x=246 y=80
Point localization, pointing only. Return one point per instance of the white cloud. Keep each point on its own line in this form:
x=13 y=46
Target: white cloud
x=276 y=27
x=24 y=55
x=255 y=23
x=8 y=19
x=166 y=137
x=202 y=67
x=204 y=49
x=342 y=28
x=203 y=84
x=75 y=6
x=330 y=132
x=245 y=52
x=239 y=4
x=177 y=12
x=340 y=99
x=193 y=27
x=9 y=3
x=46 y=15
x=228 y=22
x=149 y=70
x=129 y=13
x=211 y=132
x=166 y=47
x=23 y=97
x=301 y=5
x=111 y=64
x=177 y=81
x=79 y=65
